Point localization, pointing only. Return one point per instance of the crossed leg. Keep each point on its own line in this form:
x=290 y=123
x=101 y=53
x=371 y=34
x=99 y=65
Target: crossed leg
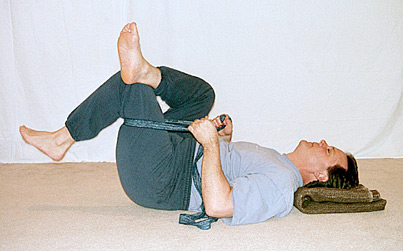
x=134 y=69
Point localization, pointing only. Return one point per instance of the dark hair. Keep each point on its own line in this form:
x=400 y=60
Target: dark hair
x=339 y=177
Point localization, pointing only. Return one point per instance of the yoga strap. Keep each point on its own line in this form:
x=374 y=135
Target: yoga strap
x=168 y=125
x=201 y=219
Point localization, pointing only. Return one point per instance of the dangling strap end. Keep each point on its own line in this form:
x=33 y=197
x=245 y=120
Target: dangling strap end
x=195 y=220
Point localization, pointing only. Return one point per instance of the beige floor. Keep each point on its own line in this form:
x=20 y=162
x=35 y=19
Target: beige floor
x=81 y=206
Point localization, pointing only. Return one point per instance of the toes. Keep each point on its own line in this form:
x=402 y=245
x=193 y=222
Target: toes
x=130 y=27
x=133 y=27
x=23 y=129
x=126 y=28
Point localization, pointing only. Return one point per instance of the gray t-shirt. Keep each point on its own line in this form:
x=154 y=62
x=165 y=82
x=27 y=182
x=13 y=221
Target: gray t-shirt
x=263 y=181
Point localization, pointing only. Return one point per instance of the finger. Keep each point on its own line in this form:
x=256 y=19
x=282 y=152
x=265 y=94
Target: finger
x=228 y=121
x=217 y=122
x=196 y=122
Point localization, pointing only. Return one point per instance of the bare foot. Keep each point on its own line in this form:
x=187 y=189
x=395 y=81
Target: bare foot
x=134 y=68
x=53 y=144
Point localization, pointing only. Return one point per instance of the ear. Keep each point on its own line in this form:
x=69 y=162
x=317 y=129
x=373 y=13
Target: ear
x=322 y=176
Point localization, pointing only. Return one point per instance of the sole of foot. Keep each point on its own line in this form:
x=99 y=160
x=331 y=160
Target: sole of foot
x=132 y=63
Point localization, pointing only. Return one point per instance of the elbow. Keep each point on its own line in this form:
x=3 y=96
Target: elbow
x=219 y=211
x=214 y=212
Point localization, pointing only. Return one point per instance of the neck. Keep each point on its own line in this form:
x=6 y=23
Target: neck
x=307 y=176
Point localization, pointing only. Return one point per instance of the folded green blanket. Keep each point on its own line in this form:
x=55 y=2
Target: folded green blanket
x=320 y=200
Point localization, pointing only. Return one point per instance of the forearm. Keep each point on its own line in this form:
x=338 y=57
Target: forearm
x=216 y=190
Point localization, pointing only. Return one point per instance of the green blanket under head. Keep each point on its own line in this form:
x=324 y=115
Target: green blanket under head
x=319 y=200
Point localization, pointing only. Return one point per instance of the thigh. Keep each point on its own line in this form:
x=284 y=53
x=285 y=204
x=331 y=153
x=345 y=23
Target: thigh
x=155 y=167
x=151 y=163
x=140 y=155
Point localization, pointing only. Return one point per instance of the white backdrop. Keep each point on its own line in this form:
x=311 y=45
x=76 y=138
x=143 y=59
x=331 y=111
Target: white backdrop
x=284 y=70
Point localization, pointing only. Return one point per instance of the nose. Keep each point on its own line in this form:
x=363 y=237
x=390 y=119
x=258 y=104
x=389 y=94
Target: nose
x=323 y=143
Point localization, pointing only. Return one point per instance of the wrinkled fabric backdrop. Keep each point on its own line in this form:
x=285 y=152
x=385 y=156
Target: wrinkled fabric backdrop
x=284 y=70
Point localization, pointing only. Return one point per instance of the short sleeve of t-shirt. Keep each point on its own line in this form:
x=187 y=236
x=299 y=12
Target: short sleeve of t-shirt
x=256 y=198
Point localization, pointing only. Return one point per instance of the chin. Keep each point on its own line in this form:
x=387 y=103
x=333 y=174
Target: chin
x=301 y=144
x=304 y=142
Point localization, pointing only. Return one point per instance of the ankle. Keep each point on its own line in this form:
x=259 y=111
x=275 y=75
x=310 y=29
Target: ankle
x=153 y=78
x=63 y=137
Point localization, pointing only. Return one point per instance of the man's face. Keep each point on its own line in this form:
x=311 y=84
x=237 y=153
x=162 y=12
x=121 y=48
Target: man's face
x=322 y=155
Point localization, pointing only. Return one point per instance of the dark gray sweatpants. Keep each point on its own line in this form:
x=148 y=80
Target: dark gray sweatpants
x=154 y=166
